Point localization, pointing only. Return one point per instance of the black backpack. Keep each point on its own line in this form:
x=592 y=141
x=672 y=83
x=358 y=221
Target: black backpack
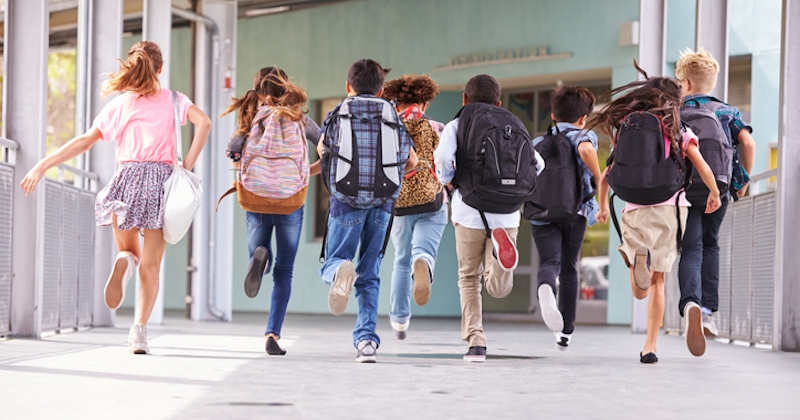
x=714 y=145
x=495 y=159
x=559 y=188
x=638 y=170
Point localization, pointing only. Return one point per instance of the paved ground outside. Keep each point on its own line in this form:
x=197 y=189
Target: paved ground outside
x=220 y=371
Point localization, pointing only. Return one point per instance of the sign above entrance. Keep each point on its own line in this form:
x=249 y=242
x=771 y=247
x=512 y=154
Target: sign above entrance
x=517 y=55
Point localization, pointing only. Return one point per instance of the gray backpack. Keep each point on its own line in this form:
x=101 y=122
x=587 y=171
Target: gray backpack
x=714 y=145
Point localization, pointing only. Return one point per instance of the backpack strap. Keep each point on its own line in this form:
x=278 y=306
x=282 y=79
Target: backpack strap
x=614 y=217
x=388 y=233
x=485 y=224
x=227 y=193
x=679 y=239
x=324 y=238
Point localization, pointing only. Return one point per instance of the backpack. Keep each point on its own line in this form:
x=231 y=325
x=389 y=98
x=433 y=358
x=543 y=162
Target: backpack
x=421 y=191
x=714 y=145
x=495 y=159
x=362 y=165
x=639 y=169
x=559 y=188
x=274 y=170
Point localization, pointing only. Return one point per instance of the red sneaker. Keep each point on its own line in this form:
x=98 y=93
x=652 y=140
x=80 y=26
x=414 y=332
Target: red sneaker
x=504 y=249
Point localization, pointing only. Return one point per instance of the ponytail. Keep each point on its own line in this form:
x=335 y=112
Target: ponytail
x=138 y=73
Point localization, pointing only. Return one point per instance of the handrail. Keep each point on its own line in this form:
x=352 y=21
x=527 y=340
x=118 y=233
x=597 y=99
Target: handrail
x=9 y=144
x=80 y=172
x=763 y=176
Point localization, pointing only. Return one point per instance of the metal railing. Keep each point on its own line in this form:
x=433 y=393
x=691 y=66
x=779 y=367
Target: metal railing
x=8 y=149
x=747 y=241
x=69 y=226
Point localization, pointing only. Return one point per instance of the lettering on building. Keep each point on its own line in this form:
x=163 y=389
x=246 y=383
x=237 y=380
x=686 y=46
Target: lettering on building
x=501 y=57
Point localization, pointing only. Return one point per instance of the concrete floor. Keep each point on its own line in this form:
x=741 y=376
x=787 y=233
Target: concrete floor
x=220 y=371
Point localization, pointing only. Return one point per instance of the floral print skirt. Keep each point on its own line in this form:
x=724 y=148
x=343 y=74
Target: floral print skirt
x=135 y=195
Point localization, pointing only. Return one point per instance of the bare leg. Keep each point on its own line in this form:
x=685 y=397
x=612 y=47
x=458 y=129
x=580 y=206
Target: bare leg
x=127 y=240
x=149 y=271
x=655 y=312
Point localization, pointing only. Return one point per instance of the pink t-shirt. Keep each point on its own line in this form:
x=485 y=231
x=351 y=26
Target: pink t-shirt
x=143 y=127
x=688 y=138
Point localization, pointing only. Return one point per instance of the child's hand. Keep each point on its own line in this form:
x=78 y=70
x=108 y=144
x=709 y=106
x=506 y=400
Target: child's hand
x=602 y=215
x=742 y=191
x=31 y=179
x=713 y=203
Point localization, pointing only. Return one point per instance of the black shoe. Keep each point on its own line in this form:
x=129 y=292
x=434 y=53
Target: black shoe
x=648 y=358
x=475 y=354
x=255 y=272
x=272 y=347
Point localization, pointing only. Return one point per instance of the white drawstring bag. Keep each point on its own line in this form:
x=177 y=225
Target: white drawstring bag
x=181 y=192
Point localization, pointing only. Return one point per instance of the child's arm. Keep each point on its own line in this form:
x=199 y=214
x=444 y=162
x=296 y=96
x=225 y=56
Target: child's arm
x=702 y=168
x=315 y=168
x=412 y=161
x=589 y=157
x=72 y=148
x=747 y=155
x=602 y=199
x=202 y=128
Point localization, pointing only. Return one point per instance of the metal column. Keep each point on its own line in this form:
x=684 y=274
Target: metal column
x=787 y=287
x=652 y=59
x=711 y=34
x=25 y=121
x=212 y=240
x=105 y=46
x=157 y=27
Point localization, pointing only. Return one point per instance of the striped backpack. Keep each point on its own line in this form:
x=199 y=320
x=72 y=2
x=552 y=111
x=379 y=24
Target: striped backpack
x=274 y=170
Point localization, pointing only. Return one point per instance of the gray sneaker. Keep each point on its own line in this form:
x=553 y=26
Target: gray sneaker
x=549 y=309
x=400 y=328
x=342 y=285
x=137 y=340
x=367 y=351
x=709 y=326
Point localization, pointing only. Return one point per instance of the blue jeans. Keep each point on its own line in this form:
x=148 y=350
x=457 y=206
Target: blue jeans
x=367 y=226
x=287 y=236
x=559 y=247
x=413 y=236
x=698 y=270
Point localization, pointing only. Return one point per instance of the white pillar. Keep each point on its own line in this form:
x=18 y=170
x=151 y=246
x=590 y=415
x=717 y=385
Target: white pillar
x=652 y=59
x=711 y=34
x=787 y=287
x=26 y=47
x=105 y=47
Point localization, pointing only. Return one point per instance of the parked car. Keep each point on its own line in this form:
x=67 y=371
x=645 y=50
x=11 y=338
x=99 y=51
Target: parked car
x=593 y=278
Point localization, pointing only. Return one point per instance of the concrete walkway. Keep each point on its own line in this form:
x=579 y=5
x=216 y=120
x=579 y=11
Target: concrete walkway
x=220 y=371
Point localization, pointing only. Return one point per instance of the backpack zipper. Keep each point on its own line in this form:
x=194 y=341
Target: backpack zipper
x=519 y=156
x=496 y=161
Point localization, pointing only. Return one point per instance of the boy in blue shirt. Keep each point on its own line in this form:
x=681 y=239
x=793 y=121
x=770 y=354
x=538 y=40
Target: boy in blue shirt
x=367 y=220
x=698 y=273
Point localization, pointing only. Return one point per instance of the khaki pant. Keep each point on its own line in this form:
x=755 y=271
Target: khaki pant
x=474 y=251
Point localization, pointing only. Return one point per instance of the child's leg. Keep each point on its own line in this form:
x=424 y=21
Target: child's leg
x=368 y=283
x=424 y=249
x=400 y=294
x=548 y=240
x=287 y=238
x=655 y=312
x=149 y=273
x=572 y=234
x=258 y=232
x=470 y=248
x=499 y=282
x=344 y=232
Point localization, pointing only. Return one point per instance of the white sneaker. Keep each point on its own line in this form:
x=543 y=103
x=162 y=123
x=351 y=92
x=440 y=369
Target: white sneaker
x=137 y=339
x=342 y=285
x=709 y=326
x=549 y=308
x=400 y=329
x=562 y=340
x=367 y=351
x=695 y=340
x=124 y=268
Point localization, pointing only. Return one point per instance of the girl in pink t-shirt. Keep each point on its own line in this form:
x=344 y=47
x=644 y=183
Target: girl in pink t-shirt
x=649 y=231
x=140 y=120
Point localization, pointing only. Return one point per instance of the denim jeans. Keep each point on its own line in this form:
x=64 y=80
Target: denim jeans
x=413 y=236
x=698 y=269
x=287 y=236
x=559 y=247
x=367 y=226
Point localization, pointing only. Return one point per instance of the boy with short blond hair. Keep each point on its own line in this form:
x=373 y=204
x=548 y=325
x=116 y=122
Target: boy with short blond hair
x=698 y=273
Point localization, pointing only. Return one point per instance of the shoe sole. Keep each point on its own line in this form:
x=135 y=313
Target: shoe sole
x=342 y=284
x=641 y=273
x=255 y=272
x=400 y=335
x=549 y=308
x=475 y=359
x=114 y=293
x=506 y=252
x=367 y=359
x=695 y=340
x=140 y=350
x=422 y=282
